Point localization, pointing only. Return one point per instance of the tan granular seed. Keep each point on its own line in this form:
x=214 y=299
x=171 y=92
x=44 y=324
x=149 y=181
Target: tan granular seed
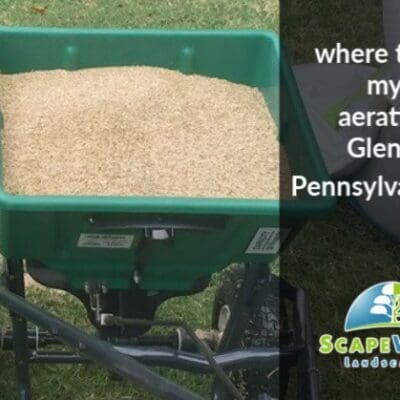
x=136 y=131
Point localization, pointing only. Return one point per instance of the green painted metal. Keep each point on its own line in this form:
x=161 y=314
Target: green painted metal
x=47 y=228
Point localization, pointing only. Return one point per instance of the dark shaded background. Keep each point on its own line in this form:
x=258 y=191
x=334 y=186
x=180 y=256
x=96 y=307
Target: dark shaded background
x=336 y=257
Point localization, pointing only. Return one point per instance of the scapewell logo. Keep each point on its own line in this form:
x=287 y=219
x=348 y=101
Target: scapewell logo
x=377 y=307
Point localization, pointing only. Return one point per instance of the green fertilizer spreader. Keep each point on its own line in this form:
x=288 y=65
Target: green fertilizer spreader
x=124 y=256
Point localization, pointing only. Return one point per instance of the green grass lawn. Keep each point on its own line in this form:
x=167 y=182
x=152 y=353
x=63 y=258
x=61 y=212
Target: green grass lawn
x=332 y=259
x=141 y=13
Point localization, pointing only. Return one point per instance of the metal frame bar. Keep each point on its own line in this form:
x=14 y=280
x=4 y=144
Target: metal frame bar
x=307 y=364
x=185 y=361
x=307 y=371
x=15 y=283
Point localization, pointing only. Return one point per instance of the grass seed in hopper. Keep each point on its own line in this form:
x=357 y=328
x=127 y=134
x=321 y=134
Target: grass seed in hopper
x=139 y=131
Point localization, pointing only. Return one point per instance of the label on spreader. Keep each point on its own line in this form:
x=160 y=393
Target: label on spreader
x=267 y=241
x=105 y=241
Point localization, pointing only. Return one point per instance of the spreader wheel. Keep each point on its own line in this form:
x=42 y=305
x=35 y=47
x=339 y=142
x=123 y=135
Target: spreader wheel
x=262 y=329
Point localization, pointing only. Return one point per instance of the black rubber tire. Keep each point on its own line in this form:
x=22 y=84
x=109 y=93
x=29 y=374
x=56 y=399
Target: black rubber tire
x=263 y=328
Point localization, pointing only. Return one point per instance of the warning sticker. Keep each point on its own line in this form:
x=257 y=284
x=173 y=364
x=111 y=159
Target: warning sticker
x=267 y=241
x=105 y=241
